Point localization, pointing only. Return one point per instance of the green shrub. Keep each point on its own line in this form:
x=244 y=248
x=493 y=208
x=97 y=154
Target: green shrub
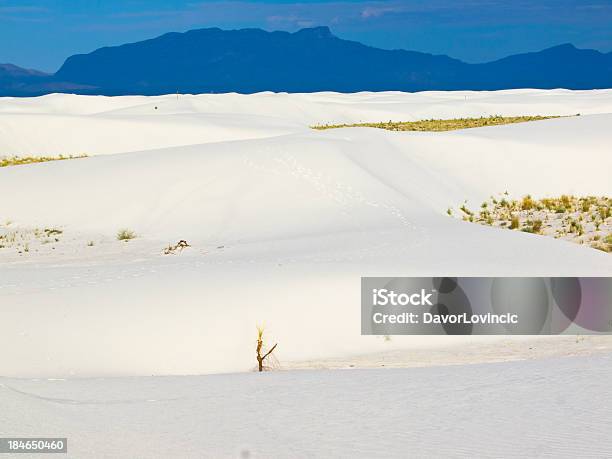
x=125 y=235
x=537 y=226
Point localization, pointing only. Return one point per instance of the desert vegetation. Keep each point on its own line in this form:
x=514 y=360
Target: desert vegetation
x=22 y=160
x=262 y=355
x=584 y=220
x=438 y=125
x=125 y=235
x=173 y=249
x=25 y=240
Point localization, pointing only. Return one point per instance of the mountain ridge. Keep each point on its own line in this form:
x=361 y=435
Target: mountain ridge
x=308 y=60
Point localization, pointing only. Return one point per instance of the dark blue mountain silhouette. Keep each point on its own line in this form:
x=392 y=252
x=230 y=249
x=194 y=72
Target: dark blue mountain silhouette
x=562 y=66
x=252 y=60
x=16 y=79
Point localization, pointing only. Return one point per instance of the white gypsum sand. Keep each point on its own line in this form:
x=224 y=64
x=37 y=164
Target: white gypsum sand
x=282 y=221
x=546 y=408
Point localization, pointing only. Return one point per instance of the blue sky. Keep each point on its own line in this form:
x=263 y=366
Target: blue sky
x=42 y=33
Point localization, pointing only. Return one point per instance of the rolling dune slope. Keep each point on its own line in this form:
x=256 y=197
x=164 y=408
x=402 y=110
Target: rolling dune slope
x=283 y=220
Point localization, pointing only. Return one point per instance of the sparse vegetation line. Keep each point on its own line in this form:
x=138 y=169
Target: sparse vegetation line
x=438 y=125
x=25 y=240
x=22 y=160
x=584 y=220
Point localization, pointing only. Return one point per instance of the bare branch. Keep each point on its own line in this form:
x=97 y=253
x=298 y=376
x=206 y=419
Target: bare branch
x=269 y=352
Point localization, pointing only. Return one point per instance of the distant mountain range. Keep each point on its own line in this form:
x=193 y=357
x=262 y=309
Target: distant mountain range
x=253 y=60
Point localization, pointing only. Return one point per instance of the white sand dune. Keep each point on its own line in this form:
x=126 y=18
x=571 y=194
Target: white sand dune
x=549 y=408
x=65 y=124
x=283 y=220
